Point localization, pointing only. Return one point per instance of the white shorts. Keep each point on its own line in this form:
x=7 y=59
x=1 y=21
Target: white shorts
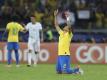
x=34 y=45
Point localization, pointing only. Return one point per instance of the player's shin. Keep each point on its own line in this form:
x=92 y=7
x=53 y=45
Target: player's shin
x=17 y=57
x=29 y=58
x=35 y=58
x=9 y=57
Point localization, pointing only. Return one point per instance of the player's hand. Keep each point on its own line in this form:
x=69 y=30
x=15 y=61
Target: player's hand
x=67 y=14
x=55 y=12
x=23 y=24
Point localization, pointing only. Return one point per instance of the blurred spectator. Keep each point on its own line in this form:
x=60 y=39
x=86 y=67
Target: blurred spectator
x=1 y=2
x=49 y=35
x=43 y=9
x=80 y=4
x=105 y=22
x=99 y=19
x=91 y=40
x=38 y=15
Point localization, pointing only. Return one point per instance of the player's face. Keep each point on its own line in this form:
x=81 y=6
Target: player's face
x=33 y=20
x=66 y=29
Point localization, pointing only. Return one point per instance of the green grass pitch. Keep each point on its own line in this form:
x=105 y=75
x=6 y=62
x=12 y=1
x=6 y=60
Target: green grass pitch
x=47 y=72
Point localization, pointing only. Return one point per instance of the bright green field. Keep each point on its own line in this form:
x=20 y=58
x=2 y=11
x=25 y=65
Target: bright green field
x=47 y=72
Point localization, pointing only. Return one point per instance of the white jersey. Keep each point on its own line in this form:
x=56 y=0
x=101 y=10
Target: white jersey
x=34 y=30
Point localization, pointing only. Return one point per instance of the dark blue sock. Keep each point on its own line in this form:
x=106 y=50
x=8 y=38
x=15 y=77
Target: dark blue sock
x=76 y=70
x=69 y=71
x=9 y=56
x=17 y=56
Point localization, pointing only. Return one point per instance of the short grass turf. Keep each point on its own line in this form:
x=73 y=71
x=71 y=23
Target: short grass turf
x=47 y=72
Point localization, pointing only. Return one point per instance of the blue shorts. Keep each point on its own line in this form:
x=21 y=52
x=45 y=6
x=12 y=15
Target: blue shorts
x=12 y=45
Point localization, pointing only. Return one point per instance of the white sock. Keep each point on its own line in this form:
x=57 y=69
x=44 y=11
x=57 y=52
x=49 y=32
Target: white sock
x=29 y=58
x=35 y=58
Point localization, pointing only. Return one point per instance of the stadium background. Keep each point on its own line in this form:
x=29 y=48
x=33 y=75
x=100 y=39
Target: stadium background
x=88 y=44
x=86 y=29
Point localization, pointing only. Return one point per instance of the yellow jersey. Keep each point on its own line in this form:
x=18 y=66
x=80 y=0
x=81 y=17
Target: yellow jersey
x=64 y=43
x=13 y=28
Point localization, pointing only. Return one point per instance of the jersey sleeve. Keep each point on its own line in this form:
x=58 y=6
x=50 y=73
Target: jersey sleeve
x=20 y=27
x=40 y=26
x=60 y=32
x=8 y=26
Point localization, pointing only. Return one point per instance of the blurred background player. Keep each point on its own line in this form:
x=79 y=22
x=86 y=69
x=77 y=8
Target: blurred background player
x=65 y=36
x=34 y=28
x=13 y=29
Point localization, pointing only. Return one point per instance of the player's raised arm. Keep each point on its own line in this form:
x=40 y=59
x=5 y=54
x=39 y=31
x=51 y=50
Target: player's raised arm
x=67 y=15
x=68 y=21
x=55 y=20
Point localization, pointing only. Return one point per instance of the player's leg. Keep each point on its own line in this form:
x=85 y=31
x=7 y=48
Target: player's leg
x=36 y=53
x=17 y=56
x=36 y=57
x=9 y=57
x=30 y=50
x=70 y=70
x=29 y=57
x=68 y=62
x=16 y=48
x=9 y=48
x=60 y=64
